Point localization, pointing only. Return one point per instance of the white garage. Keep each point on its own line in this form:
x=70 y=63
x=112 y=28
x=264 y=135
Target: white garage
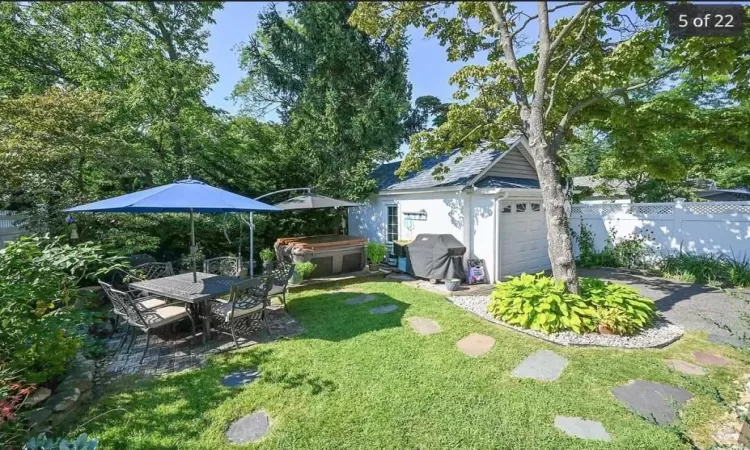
x=489 y=200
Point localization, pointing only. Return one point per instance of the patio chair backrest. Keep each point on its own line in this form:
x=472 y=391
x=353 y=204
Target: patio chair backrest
x=225 y=265
x=282 y=273
x=122 y=302
x=250 y=293
x=152 y=270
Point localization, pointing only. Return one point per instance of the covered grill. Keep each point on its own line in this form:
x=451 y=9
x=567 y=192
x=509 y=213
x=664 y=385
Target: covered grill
x=436 y=256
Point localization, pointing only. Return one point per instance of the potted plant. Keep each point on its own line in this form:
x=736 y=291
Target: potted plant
x=267 y=255
x=375 y=253
x=452 y=284
x=302 y=271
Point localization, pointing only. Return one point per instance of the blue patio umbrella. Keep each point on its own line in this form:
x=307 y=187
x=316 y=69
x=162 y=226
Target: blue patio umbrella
x=189 y=195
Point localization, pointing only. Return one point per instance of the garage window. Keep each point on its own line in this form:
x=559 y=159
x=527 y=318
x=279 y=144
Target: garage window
x=392 y=224
x=507 y=209
x=520 y=207
x=536 y=207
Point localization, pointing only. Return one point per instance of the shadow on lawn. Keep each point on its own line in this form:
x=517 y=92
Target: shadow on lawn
x=328 y=317
x=179 y=406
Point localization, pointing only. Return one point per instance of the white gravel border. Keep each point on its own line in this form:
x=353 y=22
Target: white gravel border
x=660 y=335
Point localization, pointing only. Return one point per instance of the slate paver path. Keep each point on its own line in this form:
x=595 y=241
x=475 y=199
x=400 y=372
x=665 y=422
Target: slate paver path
x=710 y=359
x=581 y=428
x=653 y=401
x=476 y=344
x=728 y=340
x=684 y=367
x=241 y=378
x=358 y=300
x=383 y=309
x=250 y=428
x=543 y=365
x=423 y=325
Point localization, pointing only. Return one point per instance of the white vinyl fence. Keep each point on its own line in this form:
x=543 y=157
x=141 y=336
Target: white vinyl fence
x=704 y=227
x=10 y=228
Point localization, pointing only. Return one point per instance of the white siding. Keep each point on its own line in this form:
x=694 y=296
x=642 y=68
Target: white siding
x=483 y=232
x=515 y=165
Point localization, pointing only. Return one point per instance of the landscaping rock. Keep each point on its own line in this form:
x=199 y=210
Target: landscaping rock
x=250 y=428
x=36 y=417
x=710 y=359
x=383 y=309
x=685 y=367
x=82 y=380
x=39 y=395
x=475 y=344
x=358 y=300
x=423 y=326
x=242 y=378
x=543 y=365
x=64 y=400
x=580 y=428
x=655 y=402
x=728 y=340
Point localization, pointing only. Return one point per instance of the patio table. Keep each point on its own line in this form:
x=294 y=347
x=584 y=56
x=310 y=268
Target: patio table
x=182 y=288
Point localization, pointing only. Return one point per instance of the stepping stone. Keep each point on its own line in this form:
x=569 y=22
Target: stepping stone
x=476 y=344
x=685 y=367
x=543 y=365
x=383 y=309
x=710 y=359
x=250 y=428
x=424 y=326
x=655 y=402
x=241 y=378
x=580 y=428
x=358 y=300
x=729 y=340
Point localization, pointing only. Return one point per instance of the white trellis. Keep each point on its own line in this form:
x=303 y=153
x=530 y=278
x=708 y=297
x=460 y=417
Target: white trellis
x=10 y=226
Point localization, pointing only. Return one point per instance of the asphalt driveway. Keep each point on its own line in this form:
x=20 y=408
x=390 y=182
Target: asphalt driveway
x=694 y=307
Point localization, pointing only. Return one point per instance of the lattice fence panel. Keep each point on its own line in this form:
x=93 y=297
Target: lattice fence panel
x=709 y=208
x=636 y=209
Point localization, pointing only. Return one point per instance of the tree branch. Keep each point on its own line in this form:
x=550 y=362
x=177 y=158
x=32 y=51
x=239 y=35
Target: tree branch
x=551 y=10
x=569 y=26
x=507 y=43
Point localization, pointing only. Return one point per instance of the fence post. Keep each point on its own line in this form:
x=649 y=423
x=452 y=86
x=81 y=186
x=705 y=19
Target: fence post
x=679 y=213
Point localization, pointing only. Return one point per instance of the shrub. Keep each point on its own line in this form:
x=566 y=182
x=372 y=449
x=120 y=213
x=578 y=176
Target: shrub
x=39 y=277
x=304 y=269
x=42 y=442
x=620 y=305
x=706 y=268
x=376 y=252
x=541 y=303
x=631 y=252
x=267 y=254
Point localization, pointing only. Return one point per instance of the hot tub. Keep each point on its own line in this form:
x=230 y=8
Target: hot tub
x=331 y=253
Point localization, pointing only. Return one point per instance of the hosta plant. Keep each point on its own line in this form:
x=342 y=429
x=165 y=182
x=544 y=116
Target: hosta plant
x=541 y=303
x=636 y=312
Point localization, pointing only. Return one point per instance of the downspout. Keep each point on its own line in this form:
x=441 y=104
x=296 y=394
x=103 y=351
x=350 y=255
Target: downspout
x=497 y=258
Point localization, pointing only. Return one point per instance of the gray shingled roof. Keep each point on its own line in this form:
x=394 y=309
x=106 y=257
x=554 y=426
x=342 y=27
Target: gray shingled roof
x=460 y=173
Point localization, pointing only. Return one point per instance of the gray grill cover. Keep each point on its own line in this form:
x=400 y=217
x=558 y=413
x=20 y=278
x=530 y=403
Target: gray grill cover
x=438 y=256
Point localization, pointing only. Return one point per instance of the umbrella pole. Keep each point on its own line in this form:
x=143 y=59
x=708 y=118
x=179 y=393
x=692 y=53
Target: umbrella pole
x=250 y=265
x=192 y=244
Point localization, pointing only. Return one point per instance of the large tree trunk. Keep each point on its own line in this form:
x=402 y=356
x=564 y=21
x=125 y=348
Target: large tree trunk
x=559 y=240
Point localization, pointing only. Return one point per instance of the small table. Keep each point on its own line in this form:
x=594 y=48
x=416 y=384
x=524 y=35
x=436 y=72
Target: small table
x=182 y=288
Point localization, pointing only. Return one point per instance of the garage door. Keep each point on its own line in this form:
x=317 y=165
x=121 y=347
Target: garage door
x=523 y=238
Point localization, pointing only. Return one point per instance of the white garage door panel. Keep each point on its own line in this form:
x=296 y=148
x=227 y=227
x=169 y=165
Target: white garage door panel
x=523 y=240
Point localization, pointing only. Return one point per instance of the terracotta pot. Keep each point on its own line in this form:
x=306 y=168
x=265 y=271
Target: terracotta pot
x=603 y=329
x=373 y=267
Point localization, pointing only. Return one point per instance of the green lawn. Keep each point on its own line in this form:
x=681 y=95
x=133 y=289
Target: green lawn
x=359 y=381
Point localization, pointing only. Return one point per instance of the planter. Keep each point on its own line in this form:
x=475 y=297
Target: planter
x=373 y=267
x=267 y=266
x=603 y=329
x=452 y=284
x=296 y=278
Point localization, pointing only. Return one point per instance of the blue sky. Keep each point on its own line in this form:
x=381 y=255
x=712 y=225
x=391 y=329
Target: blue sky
x=429 y=69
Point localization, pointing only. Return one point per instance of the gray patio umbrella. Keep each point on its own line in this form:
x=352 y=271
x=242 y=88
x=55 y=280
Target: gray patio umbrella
x=313 y=201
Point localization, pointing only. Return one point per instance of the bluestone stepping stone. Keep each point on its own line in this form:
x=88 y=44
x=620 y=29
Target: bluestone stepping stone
x=358 y=300
x=729 y=340
x=543 y=365
x=653 y=401
x=423 y=325
x=241 y=378
x=383 y=309
x=710 y=359
x=685 y=367
x=580 y=428
x=475 y=344
x=250 y=428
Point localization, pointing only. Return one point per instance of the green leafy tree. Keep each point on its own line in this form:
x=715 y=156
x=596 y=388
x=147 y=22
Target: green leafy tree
x=578 y=69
